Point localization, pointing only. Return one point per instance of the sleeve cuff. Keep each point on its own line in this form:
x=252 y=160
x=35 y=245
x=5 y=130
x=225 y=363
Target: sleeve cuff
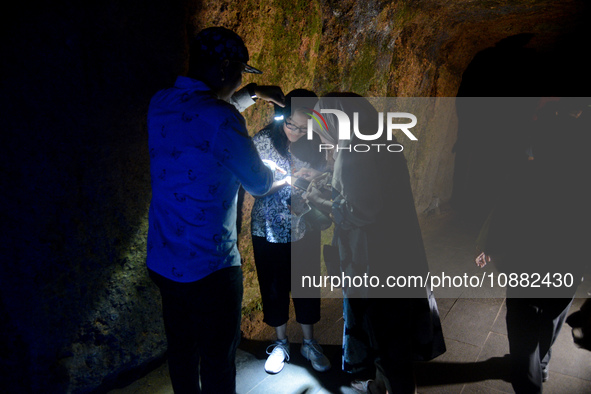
x=241 y=99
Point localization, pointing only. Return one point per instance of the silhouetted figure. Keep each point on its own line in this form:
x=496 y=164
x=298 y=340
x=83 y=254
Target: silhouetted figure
x=538 y=229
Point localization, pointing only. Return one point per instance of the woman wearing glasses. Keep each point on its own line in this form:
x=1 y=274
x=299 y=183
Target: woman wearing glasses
x=278 y=234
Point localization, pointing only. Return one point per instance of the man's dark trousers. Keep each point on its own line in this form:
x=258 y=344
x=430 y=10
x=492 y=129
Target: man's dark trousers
x=533 y=324
x=202 y=323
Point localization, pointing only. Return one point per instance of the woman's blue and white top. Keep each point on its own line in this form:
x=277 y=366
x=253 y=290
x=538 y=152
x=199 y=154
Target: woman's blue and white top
x=271 y=215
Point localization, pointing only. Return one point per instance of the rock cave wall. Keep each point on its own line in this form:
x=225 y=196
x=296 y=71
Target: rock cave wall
x=77 y=308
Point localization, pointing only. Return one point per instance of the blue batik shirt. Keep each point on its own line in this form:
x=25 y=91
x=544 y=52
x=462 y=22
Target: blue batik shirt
x=200 y=153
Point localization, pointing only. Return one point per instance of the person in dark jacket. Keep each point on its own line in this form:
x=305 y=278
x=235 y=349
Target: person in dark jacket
x=537 y=231
x=377 y=233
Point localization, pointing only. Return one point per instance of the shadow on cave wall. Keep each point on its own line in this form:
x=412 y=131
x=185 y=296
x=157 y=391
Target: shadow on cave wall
x=492 y=132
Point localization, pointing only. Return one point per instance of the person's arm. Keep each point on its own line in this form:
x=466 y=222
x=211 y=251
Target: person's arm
x=483 y=258
x=318 y=200
x=263 y=145
x=248 y=95
x=318 y=192
x=276 y=186
x=241 y=99
x=235 y=150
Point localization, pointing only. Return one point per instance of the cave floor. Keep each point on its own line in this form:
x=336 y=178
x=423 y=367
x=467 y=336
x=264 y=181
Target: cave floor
x=473 y=326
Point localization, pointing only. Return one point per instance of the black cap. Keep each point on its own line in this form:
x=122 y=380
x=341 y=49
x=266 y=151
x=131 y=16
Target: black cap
x=221 y=43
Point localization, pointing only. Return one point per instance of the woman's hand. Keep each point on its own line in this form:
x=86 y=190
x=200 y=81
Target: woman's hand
x=318 y=199
x=482 y=259
x=272 y=94
x=314 y=196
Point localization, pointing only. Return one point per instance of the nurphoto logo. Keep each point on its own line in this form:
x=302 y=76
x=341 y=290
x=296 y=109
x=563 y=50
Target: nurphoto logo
x=344 y=129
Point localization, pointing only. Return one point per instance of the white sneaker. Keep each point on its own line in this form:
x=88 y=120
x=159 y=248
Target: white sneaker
x=361 y=386
x=312 y=351
x=277 y=357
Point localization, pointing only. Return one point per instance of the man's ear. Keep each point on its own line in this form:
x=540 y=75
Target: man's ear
x=224 y=64
x=223 y=68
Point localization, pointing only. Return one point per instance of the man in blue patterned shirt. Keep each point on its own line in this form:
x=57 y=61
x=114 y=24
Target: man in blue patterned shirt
x=200 y=154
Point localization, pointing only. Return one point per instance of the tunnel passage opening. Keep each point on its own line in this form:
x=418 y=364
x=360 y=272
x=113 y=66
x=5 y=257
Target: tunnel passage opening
x=497 y=101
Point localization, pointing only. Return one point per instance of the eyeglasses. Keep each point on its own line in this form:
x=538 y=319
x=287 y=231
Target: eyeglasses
x=293 y=127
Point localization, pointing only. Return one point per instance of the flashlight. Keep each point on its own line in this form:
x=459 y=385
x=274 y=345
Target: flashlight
x=278 y=113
